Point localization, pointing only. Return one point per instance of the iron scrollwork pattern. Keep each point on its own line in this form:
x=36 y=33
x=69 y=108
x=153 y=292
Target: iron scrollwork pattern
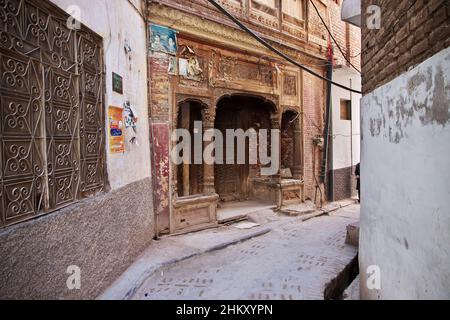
x=52 y=111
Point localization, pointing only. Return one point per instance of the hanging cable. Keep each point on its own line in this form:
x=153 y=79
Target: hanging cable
x=271 y=48
x=332 y=37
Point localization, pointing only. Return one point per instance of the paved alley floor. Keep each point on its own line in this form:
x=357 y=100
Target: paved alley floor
x=295 y=261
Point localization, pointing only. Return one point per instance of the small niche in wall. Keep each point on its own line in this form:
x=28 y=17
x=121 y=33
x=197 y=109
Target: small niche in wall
x=346 y=110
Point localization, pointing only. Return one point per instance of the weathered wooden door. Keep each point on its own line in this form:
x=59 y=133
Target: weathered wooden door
x=231 y=179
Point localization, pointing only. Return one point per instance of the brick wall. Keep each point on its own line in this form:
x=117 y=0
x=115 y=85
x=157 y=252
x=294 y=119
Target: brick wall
x=347 y=36
x=160 y=94
x=344 y=183
x=315 y=26
x=159 y=87
x=313 y=118
x=411 y=31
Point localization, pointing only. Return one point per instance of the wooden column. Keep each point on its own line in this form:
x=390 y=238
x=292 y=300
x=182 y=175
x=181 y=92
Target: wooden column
x=297 y=170
x=185 y=124
x=275 y=123
x=208 y=170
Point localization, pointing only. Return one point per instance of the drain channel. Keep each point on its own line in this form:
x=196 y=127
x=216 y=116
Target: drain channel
x=334 y=290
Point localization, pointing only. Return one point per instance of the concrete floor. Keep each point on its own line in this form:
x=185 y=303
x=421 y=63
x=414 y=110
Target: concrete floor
x=229 y=211
x=296 y=260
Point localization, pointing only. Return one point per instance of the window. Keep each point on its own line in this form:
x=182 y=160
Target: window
x=346 y=110
x=267 y=6
x=51 y=112
x=268 y=3
x=293 y=8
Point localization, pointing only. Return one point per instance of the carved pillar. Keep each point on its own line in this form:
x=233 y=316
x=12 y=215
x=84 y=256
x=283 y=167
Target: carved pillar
x=209 y=116
x=185 y=124
x=275 y=124
x=297 y=170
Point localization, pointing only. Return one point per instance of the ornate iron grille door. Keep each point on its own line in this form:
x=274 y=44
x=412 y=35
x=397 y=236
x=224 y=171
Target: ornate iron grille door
x=52 y=111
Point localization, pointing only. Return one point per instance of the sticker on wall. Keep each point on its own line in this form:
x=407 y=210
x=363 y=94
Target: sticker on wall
x=173 y=65
x=116 y=130
x=130 y=115
x=117 y=83
x=163 y=39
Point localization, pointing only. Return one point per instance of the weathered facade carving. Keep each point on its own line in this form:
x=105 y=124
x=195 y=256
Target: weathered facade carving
x=290 y=85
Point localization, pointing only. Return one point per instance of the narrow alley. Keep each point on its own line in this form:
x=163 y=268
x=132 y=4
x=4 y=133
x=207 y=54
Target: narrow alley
x=295 y=260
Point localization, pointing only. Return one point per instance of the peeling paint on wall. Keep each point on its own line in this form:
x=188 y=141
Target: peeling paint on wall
x=161 y=143
x=422 y=95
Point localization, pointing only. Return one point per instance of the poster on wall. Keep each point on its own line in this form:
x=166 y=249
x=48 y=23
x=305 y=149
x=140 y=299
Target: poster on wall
x=116 y=130
x=163 y=39
x=173 y=66
x=183 y=67
x=130 y=116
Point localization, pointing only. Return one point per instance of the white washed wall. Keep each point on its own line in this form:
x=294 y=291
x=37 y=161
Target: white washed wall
x=405 y=214
x=119 y=23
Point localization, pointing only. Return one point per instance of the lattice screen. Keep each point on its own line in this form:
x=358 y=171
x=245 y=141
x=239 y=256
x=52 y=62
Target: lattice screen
x=52 y=111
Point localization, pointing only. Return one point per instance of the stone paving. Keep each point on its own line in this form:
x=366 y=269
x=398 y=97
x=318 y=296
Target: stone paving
x=295 y=261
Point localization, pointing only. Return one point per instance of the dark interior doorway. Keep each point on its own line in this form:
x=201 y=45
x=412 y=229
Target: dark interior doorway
x=239 y=112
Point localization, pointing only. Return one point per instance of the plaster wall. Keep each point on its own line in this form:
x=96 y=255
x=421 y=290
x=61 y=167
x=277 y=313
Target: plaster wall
x=102 y=236
x=119 y=23
x=405 y=212
x=346 y=134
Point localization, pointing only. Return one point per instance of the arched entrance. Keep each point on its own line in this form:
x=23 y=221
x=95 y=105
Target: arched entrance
x=233 y=181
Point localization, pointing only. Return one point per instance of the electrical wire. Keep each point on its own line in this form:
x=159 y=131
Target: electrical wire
x=332 y=37
x=137 y=10
x=271 y=48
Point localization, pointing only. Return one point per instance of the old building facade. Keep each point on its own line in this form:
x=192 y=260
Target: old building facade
x=240 y=84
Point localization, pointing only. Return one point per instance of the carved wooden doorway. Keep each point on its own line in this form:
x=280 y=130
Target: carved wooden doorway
x=239 y=112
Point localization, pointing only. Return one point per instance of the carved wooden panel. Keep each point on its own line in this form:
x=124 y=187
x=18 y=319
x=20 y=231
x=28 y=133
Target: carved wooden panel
x=291 y=87
x=235 y=6
x=232 y=72
x=51 y=104
x=265 y=12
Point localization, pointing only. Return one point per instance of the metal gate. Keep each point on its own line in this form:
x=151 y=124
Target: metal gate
x=52 y=111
